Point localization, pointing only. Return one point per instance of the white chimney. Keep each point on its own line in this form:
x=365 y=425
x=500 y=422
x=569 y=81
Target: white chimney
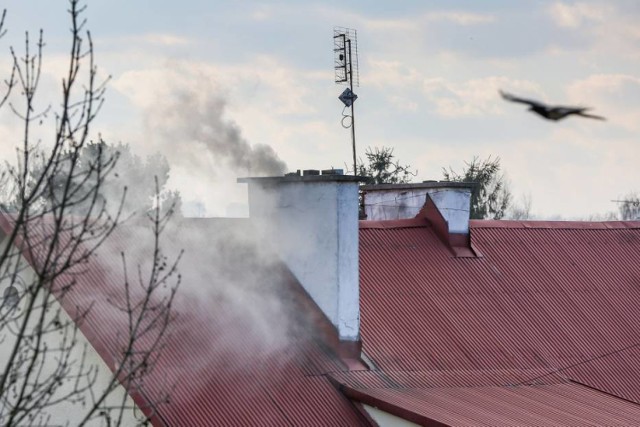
x=402 y=201
x=312 y=222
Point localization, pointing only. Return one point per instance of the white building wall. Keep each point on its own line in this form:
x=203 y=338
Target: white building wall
x=66 y=412
x=406 y=202
x=394 y=204
x=313 y=226
x=348 y=263
x=454 y=205
x=385 y=419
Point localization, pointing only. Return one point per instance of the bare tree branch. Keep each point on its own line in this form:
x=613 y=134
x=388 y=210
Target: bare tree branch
x=58 y=225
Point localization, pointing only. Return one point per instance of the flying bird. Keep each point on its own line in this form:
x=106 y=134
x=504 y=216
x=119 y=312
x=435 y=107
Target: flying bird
x=554 y=113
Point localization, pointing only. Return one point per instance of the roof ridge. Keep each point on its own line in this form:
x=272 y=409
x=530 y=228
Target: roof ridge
x=566 y=225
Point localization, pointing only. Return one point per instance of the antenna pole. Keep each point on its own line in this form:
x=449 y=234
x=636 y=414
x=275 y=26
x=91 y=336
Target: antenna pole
x=345 y=46
x=353 y=118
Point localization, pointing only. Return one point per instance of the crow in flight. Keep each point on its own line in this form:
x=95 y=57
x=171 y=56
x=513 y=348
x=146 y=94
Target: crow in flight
x=548 y=112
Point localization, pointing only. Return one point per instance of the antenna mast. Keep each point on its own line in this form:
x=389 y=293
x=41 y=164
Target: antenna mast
x=345 y=49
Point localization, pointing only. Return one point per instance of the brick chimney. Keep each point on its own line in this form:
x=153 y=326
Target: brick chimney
x=312 y=221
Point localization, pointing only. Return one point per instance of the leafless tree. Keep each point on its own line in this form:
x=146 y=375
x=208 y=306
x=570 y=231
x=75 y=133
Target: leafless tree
x=54 y=232
x=629 y=207
x=520 y=210
x=127 y=168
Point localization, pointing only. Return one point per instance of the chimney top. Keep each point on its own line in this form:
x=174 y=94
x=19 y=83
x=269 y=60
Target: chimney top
x=307 y=175
x=419 y=185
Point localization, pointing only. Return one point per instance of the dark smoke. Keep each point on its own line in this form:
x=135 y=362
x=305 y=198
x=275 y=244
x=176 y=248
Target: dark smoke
x=192 y=125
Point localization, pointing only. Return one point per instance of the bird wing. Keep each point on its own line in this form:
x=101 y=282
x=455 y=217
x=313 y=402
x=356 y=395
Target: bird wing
x=578 y=111
x=591 y=116
x=565 y=111
x=530 y=102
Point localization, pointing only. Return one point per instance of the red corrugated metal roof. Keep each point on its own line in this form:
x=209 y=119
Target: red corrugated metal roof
x=244 y=349
x=442 y=379
x=486 y=338
x=557 y=297
x=550 y=405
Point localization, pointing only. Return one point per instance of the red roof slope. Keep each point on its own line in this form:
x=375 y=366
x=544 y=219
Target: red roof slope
x=552 y=405
x=244 y=348
x=551 y=297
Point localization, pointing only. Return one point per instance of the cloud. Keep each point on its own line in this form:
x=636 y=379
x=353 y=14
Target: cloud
x=168 y=40
x=418 y=32
x=575 y=15
x=407 y=88
x=613 y=95
x=264 y=79
x=402 y=103
x=459 y=17
x=141 y=43
x=384 y=73
x=261 y=13
x=475 y=97
x=609 y=26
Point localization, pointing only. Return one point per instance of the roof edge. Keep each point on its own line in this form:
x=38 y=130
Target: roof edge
x=300 y=178
x=363 y=397
x=418 y=185
x=579 y=225
x=395 y=223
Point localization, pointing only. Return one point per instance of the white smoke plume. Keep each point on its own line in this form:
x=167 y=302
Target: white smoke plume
x=224 y=266
x=185 y=117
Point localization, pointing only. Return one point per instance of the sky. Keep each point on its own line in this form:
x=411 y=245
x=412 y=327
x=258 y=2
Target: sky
x=188 y=76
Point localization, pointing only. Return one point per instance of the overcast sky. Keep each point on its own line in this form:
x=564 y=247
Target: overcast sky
x=262 y=73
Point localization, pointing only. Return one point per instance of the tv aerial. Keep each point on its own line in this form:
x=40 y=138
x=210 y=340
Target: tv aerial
x=345 y=63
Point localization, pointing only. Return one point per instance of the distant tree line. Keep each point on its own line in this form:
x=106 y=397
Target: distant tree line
x=382 y=167
x=629 y=207
x=491 y=197
x=125 y=177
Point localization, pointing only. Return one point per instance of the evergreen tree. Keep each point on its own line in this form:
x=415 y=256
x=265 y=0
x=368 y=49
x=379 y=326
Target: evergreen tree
x=382 y=169
x=491 y=197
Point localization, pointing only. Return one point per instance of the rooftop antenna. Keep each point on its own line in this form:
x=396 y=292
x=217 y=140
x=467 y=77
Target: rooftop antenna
x=345 y=50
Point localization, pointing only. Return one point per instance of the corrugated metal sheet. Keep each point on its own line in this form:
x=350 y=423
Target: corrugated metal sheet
x=494 y=339
x=543 y=296
x=241 y=351
x=442 y=379
x=544 y=405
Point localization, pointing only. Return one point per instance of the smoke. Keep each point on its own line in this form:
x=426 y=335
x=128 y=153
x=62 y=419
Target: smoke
x=233 y=292
x=191 y=125
x=231 y=282
x=235 y=296
x=236 y=284
x=185 y=115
